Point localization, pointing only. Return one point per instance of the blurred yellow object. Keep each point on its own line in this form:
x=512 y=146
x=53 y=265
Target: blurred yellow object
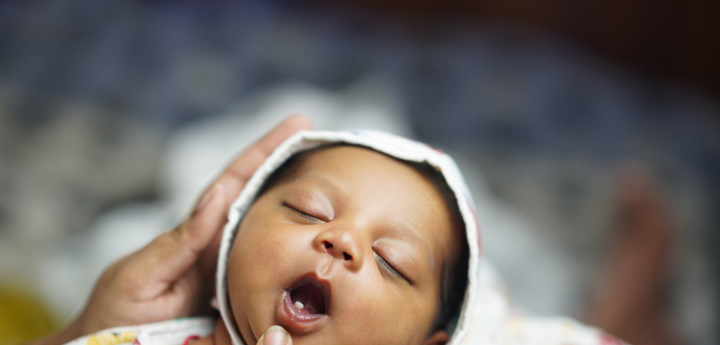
x=112 y=338
x=23 y=316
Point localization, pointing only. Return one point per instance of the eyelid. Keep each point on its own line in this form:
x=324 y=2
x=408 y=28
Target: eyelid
x=391 y=269
x=303 y=214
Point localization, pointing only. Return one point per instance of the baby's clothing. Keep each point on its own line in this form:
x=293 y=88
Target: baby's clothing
x=172 y=332
x=512 y=330
x=495 y=321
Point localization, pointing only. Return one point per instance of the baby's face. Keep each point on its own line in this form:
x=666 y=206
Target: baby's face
x=347 y=249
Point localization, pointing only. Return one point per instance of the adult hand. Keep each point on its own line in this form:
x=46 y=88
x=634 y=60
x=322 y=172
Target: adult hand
x=173 y=276
x=275 y=335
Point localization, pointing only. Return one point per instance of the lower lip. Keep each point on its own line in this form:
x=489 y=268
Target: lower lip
x=296 y=321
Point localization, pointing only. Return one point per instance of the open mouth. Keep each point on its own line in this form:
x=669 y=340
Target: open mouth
x=305 y=307
x=308 y=298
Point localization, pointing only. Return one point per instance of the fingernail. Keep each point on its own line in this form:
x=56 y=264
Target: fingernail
x=275 y=335
x=209 y=195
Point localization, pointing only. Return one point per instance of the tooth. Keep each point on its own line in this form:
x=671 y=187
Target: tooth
x=299 y=305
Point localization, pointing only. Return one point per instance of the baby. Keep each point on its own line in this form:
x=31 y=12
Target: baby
x=355 y=238
x=346 y=244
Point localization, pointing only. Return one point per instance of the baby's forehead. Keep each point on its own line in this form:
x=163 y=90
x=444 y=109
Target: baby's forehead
x=318 y=158
x=323 y=161
x=334 y=159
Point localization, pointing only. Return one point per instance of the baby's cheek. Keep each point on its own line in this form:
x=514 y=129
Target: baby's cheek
x=385 y=318
x=258 y=250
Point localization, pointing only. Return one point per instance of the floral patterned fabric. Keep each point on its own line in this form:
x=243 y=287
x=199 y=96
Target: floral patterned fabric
x=172 y=332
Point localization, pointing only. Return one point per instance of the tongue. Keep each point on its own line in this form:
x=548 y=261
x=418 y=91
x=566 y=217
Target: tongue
x=311 y=297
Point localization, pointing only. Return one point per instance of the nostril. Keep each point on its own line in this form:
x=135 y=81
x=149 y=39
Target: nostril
x=347 y=256
x=327 y=245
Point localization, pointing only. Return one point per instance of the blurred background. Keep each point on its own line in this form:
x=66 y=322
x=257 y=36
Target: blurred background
x=564 y=116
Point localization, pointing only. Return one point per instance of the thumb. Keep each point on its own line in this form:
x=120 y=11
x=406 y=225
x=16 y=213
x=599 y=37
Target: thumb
x=275 y=335
x=170 y=255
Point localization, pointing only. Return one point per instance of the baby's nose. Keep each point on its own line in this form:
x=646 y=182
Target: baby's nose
x=328 y=246
x=342 y=246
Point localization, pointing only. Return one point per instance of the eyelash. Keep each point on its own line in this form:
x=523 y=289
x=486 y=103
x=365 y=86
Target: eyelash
x=390 y=269
x=302 y=214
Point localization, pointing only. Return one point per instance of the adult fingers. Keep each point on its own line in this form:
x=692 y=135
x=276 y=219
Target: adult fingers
x=243 y=167
x=275 y=335
x=170 y=255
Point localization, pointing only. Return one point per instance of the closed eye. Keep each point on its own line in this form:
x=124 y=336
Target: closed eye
x=307 y=216
x=387 y=267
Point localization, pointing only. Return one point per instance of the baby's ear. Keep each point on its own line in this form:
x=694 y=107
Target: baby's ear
x=437 y=338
